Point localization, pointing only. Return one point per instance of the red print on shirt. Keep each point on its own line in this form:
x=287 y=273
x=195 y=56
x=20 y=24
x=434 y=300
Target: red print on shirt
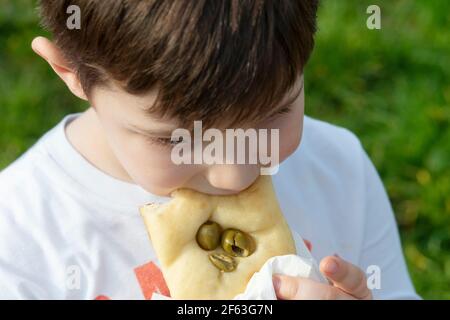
x=150 y=279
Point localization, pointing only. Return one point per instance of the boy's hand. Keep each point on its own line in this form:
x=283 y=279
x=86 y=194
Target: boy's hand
x=348 y=282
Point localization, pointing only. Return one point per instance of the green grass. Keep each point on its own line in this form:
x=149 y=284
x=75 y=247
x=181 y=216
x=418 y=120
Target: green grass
x=32 y=99
x=389 y=86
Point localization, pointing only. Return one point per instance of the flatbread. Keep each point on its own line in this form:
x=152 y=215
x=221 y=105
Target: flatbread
x=187 y=270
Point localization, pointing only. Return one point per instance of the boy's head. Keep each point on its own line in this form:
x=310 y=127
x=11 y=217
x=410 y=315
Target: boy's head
x=150 y=66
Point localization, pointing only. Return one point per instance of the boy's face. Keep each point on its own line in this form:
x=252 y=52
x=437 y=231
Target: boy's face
x=143 y=148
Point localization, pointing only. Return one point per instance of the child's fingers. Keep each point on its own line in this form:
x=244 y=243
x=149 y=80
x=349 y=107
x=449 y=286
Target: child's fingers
x=296 y=288
x=346 y=276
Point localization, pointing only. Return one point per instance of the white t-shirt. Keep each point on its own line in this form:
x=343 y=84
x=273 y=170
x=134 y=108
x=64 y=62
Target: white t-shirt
x=70 y=231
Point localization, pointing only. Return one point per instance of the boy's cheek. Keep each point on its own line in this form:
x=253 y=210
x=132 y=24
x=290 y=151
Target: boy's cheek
x=294 y=143
x=159 y=176
x=289 y=142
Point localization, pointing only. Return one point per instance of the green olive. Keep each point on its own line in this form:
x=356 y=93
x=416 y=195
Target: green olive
x=223 y=262
x=208 y=235
x=237 y=243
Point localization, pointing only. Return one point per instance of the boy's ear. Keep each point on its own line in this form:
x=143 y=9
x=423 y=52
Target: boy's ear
x=52 y=54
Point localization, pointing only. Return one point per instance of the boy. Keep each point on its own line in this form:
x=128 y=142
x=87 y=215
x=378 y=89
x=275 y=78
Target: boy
x=70 y=227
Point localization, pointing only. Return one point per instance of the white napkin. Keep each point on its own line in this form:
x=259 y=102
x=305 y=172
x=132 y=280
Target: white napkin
x=260 y=286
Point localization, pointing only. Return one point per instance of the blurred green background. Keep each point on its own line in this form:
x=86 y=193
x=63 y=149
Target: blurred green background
x=389 y=86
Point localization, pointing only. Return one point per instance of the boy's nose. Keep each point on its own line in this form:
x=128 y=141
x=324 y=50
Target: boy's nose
x=234 y=178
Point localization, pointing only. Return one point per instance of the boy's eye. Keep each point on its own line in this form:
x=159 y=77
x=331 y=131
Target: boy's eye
x=167 y=141
x=280 y=112
x=285 y=110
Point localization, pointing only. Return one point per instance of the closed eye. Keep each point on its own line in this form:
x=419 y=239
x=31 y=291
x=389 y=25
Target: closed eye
x=165 y=142
x=284 y=110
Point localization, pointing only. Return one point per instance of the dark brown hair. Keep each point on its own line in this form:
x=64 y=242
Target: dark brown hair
x=211 y=60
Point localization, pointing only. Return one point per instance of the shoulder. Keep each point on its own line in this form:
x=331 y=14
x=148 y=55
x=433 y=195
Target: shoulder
x=25 y=193
x=331 y=152
x=27 y=184
x=329 y=162
x=323 y=138
x=22 y=185
x=25 y=178
x=32 y=173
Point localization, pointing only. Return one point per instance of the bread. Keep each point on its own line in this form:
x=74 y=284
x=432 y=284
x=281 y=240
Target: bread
x=187 y=268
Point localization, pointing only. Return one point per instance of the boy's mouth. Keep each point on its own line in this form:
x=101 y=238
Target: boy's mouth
x=204 y=186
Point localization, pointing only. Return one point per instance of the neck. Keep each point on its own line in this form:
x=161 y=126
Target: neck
x=86 y=135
